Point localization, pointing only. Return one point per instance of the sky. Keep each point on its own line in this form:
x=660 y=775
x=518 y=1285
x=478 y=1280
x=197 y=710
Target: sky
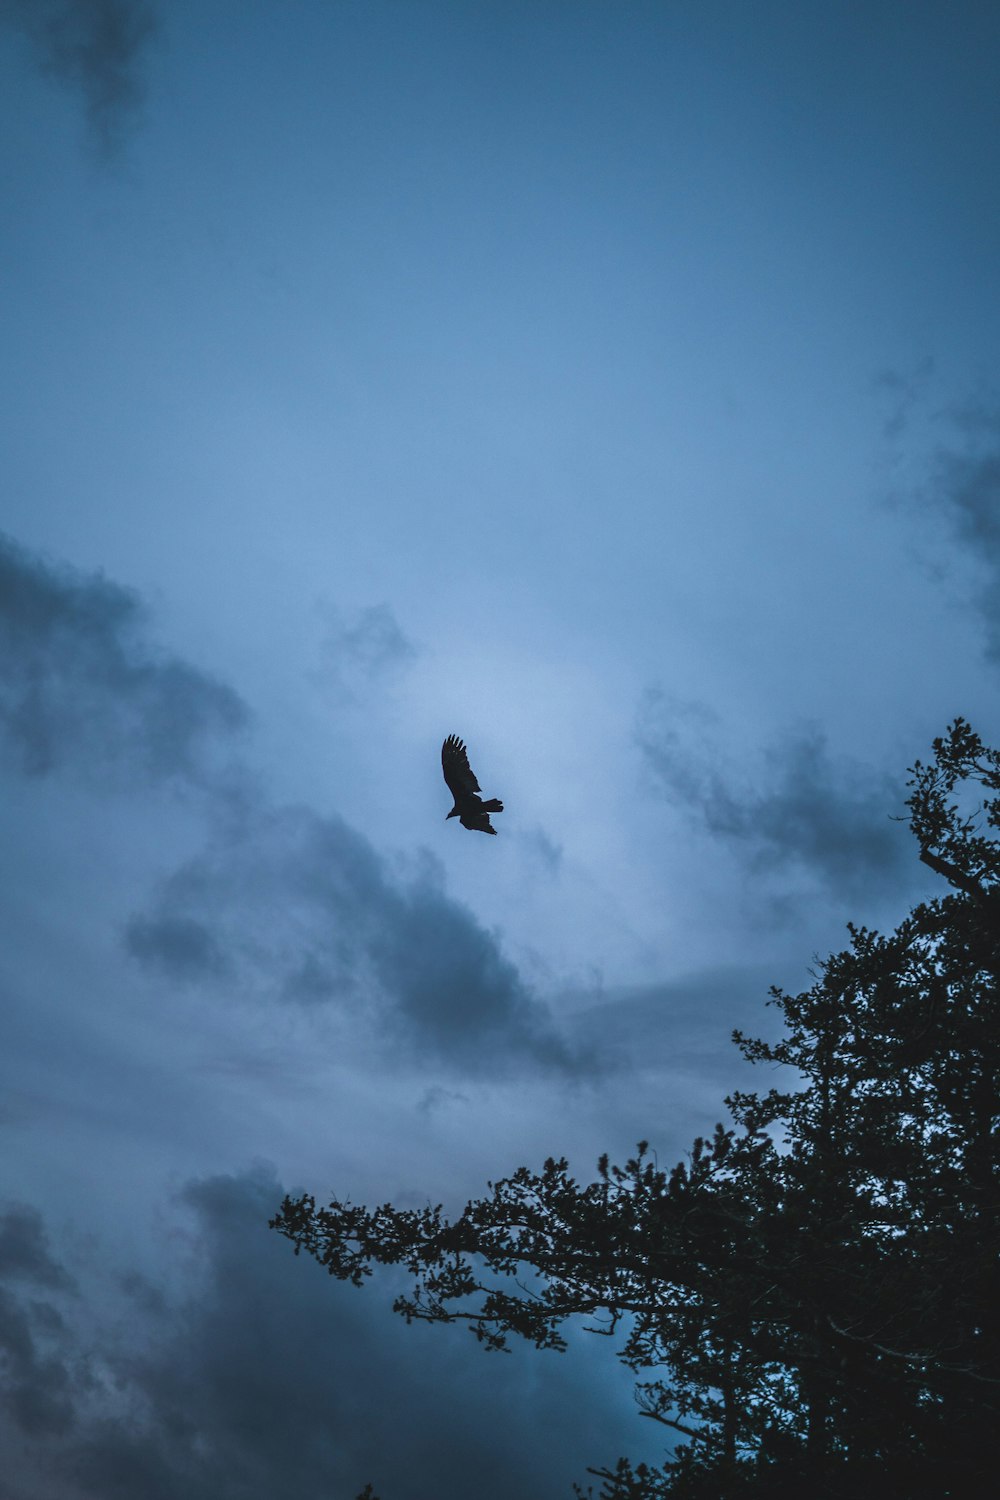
x=610 y=384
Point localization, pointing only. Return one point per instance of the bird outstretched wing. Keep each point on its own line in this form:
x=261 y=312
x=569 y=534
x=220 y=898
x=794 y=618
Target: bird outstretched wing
x=457 y=771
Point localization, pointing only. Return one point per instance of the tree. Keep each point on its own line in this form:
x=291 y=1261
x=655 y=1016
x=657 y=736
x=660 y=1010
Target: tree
x=812 y=1299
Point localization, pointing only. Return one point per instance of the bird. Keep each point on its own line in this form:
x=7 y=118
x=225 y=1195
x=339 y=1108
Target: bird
x=469 y=807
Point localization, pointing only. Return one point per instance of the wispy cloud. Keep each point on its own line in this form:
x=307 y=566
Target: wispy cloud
x=95 y=48
x=904 y=390
x=965 y=488
x=793 y=807
x=948 y=479
x=363 y=649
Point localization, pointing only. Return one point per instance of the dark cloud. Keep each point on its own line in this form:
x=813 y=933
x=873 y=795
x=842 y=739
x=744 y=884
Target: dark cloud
x=438 y=1098
x=282 y=899
x=180 y=947
x=965 y=488
x=303 y=905
x=24 y=1250
x=268 y=1378
x=37 y=1387
x=799 y=808
x=36 y=1381
x=81 y=687
x=95 y=48
x=147 y=1297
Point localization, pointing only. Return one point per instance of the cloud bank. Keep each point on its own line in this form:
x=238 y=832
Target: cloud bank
x=301 y=908
x=263 y=1377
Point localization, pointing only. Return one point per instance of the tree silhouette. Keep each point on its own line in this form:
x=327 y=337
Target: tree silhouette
x=810 y=1302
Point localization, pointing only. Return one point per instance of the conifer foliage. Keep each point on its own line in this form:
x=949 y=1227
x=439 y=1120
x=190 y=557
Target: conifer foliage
x=810 y=1303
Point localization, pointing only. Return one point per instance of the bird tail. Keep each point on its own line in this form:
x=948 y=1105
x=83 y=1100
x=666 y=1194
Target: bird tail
x=493 y=805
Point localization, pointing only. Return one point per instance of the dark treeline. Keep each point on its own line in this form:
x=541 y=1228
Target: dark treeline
x=810 y=1302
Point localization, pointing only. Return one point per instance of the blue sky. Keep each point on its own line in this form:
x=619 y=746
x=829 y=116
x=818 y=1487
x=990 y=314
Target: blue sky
x=610 y=384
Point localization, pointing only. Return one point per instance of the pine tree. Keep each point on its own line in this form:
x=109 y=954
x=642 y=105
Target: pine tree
x=811 y=1302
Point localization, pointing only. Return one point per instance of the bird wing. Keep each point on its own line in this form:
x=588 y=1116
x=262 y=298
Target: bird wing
x=480 y=822
x=456 y=768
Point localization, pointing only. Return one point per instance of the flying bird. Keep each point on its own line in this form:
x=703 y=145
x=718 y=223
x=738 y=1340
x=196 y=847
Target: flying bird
x=469 y=807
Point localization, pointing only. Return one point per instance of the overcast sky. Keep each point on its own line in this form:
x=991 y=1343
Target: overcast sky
x=612 y=385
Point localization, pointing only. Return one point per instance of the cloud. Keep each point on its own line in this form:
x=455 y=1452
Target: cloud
x=261 y=1376
x=543 y=850
x=368 y=647
x=802 y=811
x=905 y=389
x=95 y=48
x=954 y=482
x=965 y=488
x=36 y=1389
x=37 y=1385
x=302 y=907
x=282 y=901
x=24 y=1250
x=681 y=1029
x=181 y=947
x=81 y=687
